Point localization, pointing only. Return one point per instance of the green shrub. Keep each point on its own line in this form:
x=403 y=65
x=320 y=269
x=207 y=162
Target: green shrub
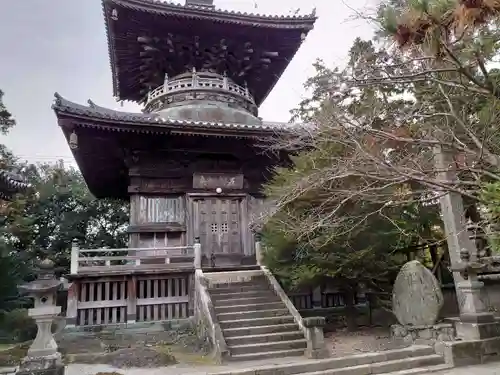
x=17 y=326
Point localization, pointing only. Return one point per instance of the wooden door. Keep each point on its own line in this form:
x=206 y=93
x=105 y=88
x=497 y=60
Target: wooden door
x=218 y=223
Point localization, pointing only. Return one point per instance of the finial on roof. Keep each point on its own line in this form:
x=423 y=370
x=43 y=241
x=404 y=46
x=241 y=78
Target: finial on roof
x=200 y=3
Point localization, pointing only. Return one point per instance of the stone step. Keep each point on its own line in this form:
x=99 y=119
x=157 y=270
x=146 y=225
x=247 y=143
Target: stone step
x=268 y=347
x=245 y=294
x=241 y=289
x=247 y=300
x=266 y=355
x=263 y=338
x=250 y=307
x=421 y=370
x=256 y=280
x=344 y=364
x=268 y=321
x=252 y=314
x=248 y=284
x=383 y=367
x=260 y=330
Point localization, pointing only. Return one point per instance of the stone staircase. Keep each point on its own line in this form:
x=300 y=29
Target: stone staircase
x=255 y=323
x=414 y=360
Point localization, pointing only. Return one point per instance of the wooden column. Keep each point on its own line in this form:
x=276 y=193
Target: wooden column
x=191 y=291
x=132 y=300
x=72 y=305
x=316 y=297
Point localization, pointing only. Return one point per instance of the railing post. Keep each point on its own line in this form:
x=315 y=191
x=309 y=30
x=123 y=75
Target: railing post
x=316 y=348
x=72 y=304
x=197 y=253
x=132 y=300
x=258 y=249
x=75 y=250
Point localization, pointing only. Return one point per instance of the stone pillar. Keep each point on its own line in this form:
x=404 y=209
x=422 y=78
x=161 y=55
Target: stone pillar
x=258 y=249
x=316 y=348
x=475 y=320
x=197 y=253
x=453 y=212
x=42 y=357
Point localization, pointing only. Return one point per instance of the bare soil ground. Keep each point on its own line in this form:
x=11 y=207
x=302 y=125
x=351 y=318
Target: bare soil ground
x=123 y=350
x=343 y=343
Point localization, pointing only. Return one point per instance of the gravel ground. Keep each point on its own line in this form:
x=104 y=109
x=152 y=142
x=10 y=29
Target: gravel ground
x=343 y=343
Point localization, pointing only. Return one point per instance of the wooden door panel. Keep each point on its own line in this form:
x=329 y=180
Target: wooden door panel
x=219 y=225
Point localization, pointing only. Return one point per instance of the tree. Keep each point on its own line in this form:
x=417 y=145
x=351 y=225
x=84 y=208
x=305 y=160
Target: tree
x=394 y=109
x=367 y=154
x=60 y=210
x=342 y=211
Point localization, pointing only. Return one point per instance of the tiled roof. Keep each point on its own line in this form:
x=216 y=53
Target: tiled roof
x=123 y=62
x=64 y=106
x=10 y=183
x=229 y=16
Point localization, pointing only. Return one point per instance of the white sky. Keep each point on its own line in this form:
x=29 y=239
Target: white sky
x=60 y=45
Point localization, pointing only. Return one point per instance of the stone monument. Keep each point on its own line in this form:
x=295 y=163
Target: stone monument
x=43 y=357
x=416 y=302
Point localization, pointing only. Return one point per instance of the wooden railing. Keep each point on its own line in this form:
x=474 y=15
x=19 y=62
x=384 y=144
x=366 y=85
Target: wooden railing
x=99 y=260
x=196 y=81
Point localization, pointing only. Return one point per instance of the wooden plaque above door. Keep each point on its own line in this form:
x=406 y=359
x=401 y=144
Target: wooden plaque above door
x=217 y=180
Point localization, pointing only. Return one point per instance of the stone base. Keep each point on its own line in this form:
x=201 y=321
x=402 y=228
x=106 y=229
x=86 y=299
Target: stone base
x=477 y=331
x=473 y=352
x=424 y=335
x=317 y=353
x=48 y=365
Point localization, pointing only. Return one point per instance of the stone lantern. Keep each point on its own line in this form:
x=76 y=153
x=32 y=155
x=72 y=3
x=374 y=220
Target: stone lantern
x=42 y=357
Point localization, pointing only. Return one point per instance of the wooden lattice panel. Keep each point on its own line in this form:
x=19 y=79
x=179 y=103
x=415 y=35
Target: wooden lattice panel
x=102 y=302
x=162 y=298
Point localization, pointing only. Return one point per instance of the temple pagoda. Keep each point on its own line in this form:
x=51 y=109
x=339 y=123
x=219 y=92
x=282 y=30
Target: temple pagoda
x=190 y=162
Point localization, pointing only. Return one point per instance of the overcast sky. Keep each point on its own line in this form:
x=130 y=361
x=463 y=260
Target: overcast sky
x=60 y=45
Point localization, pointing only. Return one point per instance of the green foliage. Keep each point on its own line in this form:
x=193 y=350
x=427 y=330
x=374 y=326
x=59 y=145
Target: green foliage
x=16 y=326
x=490 y=194
x=41 y=223
x=342 y=211
x=59 y=209
x=6 y=120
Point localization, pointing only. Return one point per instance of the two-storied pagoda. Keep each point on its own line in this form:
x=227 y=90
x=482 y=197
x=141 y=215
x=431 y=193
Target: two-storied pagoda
x=189 y=163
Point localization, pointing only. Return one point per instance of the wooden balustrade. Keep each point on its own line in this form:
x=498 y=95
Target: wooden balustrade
x=99 y=260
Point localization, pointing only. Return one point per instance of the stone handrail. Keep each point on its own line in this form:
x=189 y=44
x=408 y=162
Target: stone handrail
x=197 y=82
x=311 y=327
x=206 y=318
x=284 y=297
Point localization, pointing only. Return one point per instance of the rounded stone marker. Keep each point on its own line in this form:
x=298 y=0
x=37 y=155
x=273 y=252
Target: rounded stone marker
x=416 y=296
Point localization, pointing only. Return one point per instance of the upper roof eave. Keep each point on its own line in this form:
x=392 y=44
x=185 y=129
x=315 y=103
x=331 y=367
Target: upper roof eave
x=94 y=112
x=255 y=19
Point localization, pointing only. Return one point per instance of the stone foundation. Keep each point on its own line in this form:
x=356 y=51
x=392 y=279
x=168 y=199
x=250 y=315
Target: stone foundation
x=47 y=365
x=424 y=335
x=466 y=353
